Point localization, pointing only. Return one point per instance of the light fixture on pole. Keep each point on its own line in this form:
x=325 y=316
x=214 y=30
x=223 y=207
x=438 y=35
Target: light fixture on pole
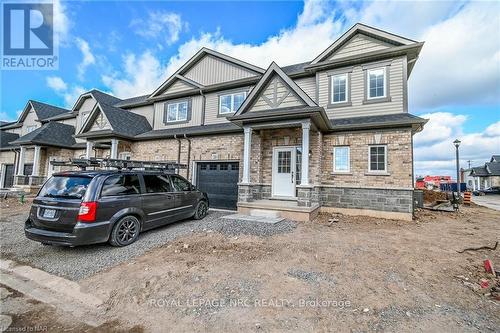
x=457 y=144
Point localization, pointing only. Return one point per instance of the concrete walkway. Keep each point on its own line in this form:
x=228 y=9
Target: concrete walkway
x=491 y=201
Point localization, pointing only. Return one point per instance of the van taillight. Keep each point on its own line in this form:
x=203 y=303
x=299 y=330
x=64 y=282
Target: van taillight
x=87 y=211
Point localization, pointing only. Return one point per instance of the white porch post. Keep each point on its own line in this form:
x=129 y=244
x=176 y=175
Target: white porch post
x=36 y=161
x=304 y=179
x=20 y=165
x=88 y=151
x=114 y=148
x=247 y=144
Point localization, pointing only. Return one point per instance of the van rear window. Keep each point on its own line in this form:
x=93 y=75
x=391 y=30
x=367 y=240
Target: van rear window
x=69 y=187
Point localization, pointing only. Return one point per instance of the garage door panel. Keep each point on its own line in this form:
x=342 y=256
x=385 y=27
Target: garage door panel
x=220 y=181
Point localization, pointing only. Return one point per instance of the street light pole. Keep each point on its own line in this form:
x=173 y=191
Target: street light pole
x=457 y=144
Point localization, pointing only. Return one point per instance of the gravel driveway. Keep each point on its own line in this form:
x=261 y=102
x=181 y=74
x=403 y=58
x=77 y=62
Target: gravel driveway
x=80 y=262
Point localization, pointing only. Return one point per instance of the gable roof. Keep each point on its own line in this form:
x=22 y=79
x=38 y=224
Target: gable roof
x=6 y=138
x=495 y=158
x=272 y=70
x=194 y=59
x=123 y=123
x=50 y=134
x=42 y=110
x=99 y=96
x=367 y=30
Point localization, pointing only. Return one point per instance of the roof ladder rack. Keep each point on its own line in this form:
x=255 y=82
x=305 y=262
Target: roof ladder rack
x=84 y=163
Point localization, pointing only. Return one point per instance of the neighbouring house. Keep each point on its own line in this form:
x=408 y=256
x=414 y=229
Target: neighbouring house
x=330 y=134
x=485 y=176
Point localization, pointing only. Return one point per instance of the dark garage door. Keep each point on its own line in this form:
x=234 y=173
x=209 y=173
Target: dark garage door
x=9 y=175
x=220 y=181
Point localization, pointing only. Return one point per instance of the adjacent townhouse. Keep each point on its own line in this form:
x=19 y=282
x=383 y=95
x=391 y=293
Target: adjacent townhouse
x=485 y=176
x=331 y=134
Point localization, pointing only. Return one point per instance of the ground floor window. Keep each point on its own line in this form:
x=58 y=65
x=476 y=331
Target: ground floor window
x=341 y=159
x=377 y=161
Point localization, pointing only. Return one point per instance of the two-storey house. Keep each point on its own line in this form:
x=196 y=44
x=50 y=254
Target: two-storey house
x=331 y=134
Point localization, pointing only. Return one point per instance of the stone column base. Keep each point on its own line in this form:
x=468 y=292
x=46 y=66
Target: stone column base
x=304 y=195
x=245 y=193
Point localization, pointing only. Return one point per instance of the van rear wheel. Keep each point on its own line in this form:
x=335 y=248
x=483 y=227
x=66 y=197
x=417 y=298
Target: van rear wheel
x=201 y=210
x=125 y=231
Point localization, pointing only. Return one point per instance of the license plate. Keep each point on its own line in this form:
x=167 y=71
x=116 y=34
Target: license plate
x=49 y=213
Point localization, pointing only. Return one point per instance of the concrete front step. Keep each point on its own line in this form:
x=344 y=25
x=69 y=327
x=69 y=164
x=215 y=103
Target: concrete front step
x=264 y=213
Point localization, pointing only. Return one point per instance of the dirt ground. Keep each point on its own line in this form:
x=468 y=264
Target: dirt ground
x=357 y=274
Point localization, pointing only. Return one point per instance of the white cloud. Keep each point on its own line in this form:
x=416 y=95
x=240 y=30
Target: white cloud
x=71 y=95
x=434 y=151
x=56 y=83
x=88 y=58
x=142 y=75
x=61 y=22
x=159 y=24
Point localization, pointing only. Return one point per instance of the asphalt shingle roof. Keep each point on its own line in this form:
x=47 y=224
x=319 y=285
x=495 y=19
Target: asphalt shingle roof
x=44 y=111
x=192 y=130
x=493 y=168
x=102 y=97
x=387 y=119
x=295 y=68
x=124 y=122
x=50 y=134
x=133 y=100
x=6 y=138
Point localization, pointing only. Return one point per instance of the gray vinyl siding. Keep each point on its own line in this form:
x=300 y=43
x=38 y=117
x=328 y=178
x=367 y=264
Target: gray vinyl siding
x=359 y=44
x=146 y=111
x=178 y=86
x=196 y=113
x=308 y=85
x=357 y=93
x=212 y=106
x=211 y=70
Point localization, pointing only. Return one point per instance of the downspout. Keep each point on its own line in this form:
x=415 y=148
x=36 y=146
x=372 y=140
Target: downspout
x=178 y=151
x=203 y=99
x=188 y=155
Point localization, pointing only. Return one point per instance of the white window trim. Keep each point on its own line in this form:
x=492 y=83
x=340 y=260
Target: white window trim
x=232 y=100
x=125 y=154
x=177 y=111
x=384 y=69
x=385 y=159
x=333 y=89
x=348 y=160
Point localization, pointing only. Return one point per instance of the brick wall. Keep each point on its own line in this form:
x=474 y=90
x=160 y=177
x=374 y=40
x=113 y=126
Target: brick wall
x=206 y=148
x=399 y=163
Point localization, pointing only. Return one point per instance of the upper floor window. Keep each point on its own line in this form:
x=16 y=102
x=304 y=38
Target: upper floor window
x=339 y=89
x=177 y=111
x=377 y=158
x=230 y=103
x=376 y=83
x=341 y=159
x=30 y=129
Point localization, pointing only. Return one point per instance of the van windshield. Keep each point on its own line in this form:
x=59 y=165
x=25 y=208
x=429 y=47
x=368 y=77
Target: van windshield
x=69 y=187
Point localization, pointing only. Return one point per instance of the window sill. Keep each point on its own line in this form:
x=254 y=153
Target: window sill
x=225 y=115
x=373 y=173
x=338 y=105
x=377 y=100
x=166 y=123
x=337 y=173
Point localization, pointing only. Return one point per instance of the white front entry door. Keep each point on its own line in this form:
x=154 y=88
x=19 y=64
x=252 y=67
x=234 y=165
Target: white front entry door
x=284 y=171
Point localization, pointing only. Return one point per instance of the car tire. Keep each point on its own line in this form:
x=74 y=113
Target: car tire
x=201 y=210
x=125 y=231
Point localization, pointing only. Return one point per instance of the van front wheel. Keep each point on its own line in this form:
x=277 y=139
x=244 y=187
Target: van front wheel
x=125 y=231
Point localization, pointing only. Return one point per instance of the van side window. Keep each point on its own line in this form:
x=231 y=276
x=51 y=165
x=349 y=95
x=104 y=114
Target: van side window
x=157 y=184
x=180 y=184
x=121 y=185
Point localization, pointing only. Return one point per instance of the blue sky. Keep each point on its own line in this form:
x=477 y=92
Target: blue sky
x=128 y=48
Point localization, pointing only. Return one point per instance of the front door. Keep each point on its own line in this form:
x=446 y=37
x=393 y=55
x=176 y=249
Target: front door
x=284 y=171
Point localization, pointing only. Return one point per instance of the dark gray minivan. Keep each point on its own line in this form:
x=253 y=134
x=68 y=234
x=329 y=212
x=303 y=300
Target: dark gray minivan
x=87 y=207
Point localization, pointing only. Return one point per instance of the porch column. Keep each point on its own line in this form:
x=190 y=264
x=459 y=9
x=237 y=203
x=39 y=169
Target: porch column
x=304 y=179
x=20 y=165
x=247 y=144
x=88 y=151
x=114 y=148
x=36 y=161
